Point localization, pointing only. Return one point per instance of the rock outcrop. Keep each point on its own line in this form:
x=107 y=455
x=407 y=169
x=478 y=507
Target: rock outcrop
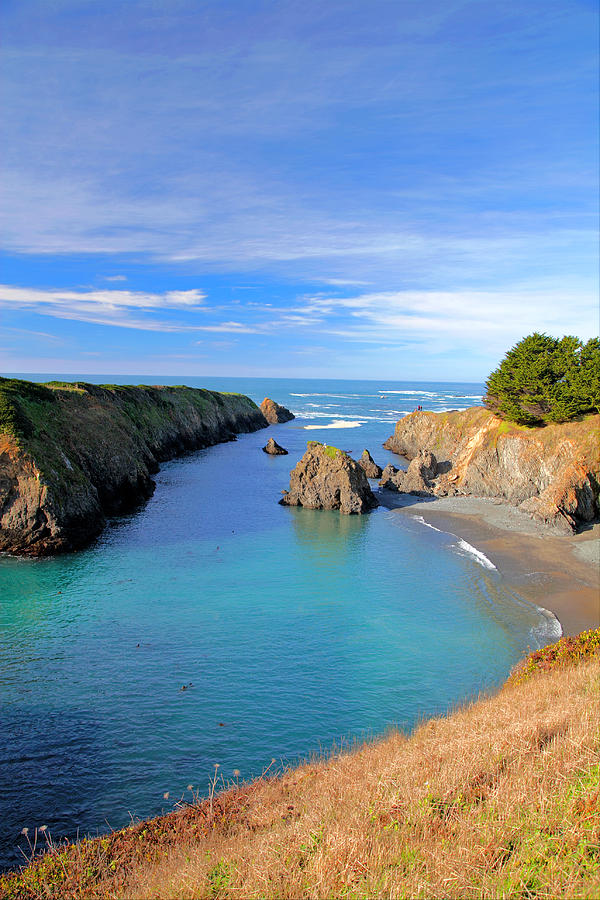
x=274 y=449
x=418 y=478
x=369 y=466
x=391 y=478
x=73 y=454
x=327 y=478
x=551 y=472
x=274 y=413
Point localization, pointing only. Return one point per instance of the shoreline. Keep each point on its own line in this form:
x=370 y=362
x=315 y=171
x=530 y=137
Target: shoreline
x=559 y=573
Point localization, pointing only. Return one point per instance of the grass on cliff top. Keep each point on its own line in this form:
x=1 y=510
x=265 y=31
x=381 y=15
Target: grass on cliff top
x=498 y=799
x=26 y=411
x=329 y=451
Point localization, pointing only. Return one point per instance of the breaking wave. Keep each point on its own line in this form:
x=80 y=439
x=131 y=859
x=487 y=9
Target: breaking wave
x=340 y=424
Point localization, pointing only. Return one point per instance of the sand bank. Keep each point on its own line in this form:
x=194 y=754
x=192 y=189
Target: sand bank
x=560 y=573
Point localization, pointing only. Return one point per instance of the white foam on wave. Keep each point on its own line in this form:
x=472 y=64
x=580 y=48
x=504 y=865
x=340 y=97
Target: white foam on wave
x=337 y=396
x=428 y=524
x=549 y=630
x=451 y=409
x=415 y=393
x=463 y=547
x=324 y=405
x=339 y=424
x=480 y=557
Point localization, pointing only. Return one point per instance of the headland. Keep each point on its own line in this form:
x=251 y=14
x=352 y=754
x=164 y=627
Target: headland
x=72 y=454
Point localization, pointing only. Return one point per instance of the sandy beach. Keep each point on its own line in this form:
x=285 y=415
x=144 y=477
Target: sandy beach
x=560 y=573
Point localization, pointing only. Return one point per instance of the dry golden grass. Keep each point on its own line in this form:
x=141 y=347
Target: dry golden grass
x=499 y=799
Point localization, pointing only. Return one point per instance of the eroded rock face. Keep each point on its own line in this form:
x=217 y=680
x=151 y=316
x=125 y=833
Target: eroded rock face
x=391 y=478
x=327 y=478
x=420 y=474
x=274 y=413
x=85 y=452
x=369 y=466
x=273 y=448
x=552 y=473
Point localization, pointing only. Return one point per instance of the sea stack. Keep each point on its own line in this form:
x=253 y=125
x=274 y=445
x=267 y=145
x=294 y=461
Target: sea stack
x=369 y=466
x=274 y=413
x=327 y=478
x=274 y=449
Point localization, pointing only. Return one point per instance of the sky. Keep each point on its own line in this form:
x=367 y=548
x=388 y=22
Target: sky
x=395 y=189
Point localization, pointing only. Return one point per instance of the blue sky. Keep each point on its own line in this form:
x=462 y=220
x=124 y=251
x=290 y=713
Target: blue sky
x=388 y=189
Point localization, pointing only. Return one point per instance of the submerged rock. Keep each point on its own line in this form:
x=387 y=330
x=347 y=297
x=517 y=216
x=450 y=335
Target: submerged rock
x=274 y=449
x=274 y=413
x=369 y=466
x=327 y=478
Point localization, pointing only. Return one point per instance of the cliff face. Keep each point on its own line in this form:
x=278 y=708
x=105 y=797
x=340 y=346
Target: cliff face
x=274 y=413
x=72 y=454
x=553 y=472
x=327 y=478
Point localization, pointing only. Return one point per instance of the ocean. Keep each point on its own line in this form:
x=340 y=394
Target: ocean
x=293 y=631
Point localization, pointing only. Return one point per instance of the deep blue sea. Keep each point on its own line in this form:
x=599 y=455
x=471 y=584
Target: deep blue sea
x=293 y=630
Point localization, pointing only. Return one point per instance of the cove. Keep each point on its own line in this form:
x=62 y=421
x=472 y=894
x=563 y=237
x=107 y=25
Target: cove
x=292 y=630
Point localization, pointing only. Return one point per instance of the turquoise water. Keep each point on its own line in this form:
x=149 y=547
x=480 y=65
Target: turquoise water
x=292 y=629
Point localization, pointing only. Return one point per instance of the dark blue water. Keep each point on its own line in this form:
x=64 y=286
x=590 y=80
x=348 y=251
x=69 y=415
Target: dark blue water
x=292 y=629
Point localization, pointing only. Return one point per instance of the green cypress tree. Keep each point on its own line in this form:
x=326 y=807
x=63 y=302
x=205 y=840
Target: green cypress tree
x=543 y=379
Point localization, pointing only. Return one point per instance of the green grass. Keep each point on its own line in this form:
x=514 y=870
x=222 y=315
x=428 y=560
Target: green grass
x=329 y=451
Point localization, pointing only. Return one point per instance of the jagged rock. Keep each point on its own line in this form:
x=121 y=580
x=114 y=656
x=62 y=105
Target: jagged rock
x=369 y=466
x=551 y=472
x=274 y=449
x=420 y=474
x=327 y=478
x=274 y=413
x=391 y=478
x=567 y=499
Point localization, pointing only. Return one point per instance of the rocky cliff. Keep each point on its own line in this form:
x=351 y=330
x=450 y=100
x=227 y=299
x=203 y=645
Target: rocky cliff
x=327 y=478
x=274 y=413
x=551 y=472
x=72 y=454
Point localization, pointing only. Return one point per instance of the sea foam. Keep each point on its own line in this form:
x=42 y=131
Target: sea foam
x=340 y=424
x=480 y=557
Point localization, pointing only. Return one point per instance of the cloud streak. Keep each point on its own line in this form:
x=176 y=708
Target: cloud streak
x=104 y=307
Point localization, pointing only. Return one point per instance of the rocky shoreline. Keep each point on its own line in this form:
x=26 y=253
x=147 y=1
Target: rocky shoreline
x=552 y=473
x=73 y=454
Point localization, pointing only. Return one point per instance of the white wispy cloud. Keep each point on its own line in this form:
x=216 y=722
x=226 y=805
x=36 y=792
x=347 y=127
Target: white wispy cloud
x=127 y=309
x=492 y=319
x=232 y=328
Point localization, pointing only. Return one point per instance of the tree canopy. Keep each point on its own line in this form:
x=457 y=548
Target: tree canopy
x=544 y=379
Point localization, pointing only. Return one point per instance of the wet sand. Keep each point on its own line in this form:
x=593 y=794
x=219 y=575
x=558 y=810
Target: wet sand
x=560 y=573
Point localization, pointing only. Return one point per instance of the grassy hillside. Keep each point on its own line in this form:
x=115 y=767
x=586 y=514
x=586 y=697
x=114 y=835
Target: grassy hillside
x=498 y=799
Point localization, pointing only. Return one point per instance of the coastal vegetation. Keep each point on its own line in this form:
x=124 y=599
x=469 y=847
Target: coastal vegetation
x=73 y=453
x=544 y=379
x=497 y=799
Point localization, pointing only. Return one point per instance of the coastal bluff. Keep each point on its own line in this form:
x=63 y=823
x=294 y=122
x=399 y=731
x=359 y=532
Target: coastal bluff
x=552 y=472
x=72 y=454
